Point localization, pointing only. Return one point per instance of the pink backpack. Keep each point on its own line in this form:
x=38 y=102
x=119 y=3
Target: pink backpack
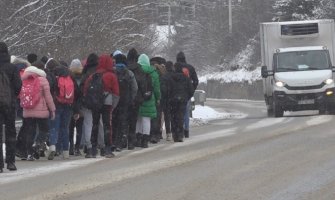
x=30 y=92
x=66 y=90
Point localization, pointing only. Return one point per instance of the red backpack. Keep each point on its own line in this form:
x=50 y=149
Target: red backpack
x=66 y=90
x=186 y=72
x=30 y=92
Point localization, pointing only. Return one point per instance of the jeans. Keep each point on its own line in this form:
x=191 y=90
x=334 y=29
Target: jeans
x=187 y=116
x=59 y=128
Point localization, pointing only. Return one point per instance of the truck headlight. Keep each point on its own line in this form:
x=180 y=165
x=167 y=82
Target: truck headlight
x=280 y=84
x=329 y=81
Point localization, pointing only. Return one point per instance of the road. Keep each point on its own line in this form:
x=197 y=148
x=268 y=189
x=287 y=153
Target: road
x=253 y=158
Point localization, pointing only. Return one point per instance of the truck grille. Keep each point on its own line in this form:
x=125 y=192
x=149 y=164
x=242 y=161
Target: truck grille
x=300 y=29
x=305 y=87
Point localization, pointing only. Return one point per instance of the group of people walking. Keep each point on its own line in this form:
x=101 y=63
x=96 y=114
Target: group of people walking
x=102 y=104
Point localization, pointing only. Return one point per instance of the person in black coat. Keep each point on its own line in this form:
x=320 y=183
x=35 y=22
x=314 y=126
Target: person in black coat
x=181 y=92
x=181 y=60
x=140 y=76
x=7 y=113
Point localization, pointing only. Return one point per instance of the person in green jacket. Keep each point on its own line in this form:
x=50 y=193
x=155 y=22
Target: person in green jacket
x=148 y=108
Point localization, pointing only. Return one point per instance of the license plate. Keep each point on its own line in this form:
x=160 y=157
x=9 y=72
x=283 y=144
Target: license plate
x=306 y=101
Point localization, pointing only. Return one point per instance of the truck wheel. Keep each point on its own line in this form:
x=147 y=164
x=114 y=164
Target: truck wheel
x=277 y=110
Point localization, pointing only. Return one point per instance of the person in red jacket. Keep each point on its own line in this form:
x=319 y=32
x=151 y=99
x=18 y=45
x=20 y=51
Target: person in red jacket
x=111 y=88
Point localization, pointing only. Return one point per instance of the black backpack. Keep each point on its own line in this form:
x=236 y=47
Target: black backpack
x=94 y=97
x=5 y=90
x=124 y=80
x=147 y=93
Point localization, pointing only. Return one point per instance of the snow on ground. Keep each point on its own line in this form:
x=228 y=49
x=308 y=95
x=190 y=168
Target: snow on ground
x=202 y=114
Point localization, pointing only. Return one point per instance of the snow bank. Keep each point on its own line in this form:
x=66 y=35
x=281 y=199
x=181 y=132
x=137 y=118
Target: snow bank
x=202 y=114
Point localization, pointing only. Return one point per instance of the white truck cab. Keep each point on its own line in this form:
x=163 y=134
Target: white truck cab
x=297 y=66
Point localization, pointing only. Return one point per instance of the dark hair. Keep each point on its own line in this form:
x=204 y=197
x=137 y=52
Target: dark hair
x=92 y=61
x=44 y=59
x=169 y=66
x=32 y=58
x=63 y=63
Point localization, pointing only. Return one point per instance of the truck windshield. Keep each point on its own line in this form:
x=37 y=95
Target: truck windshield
x=302 y=61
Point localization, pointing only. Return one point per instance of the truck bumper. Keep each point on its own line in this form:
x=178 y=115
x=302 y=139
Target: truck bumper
x=308 y=101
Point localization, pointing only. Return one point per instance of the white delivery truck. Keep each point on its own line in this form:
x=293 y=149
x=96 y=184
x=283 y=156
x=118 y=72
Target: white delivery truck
x=297 y=66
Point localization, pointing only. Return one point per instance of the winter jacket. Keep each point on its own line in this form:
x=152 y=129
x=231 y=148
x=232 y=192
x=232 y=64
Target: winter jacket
x=181 y=88
x=109 y=78
x=126 y=97
x=148 y=108
x=64 y=71
x=12 y=74
x=140 y=80
x=46 y=103
x=193 y=75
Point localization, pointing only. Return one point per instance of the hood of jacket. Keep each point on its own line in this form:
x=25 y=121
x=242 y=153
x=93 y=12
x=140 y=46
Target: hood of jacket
x=144 y=61
x=181 y=57
x=105 y=63
x=33 y=71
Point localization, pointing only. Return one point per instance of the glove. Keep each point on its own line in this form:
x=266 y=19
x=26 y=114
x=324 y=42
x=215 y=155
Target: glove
x=53 y=115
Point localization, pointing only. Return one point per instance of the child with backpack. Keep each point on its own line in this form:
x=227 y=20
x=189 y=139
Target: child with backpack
x=38 y=106
x=65 y=98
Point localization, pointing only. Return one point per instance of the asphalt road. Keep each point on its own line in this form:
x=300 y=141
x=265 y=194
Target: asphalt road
x=253 y=158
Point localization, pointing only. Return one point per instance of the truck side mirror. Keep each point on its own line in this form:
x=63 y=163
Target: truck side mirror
x=264 y=72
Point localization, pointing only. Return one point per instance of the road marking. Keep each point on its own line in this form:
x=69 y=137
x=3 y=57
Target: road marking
x=202 y=138
x=46 y=169
x=319 y=120
x=268 y=122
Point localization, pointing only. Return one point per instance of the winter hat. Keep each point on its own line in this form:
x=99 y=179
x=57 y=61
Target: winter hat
x=117 y=52
x=132 y=55
x=158 y=60
x=76 y=66
x=181 y=57
x=120 y=58
x=3 y=48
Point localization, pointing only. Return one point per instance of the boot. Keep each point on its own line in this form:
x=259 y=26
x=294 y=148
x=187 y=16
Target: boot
x=109 y=153
x=77 y=152
x=94 y=152
x=130 y=143
x=88 y=153
x=71 y=150
x=52 y=152
x=186 y=133
x=169 y=137
x=102 y=152
x=11 y=166
x=66 y=155
x=139 y=138
x=145 y=141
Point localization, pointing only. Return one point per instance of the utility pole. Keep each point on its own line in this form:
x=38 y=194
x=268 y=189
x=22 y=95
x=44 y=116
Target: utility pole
x=230 y=17
x=169 y=24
